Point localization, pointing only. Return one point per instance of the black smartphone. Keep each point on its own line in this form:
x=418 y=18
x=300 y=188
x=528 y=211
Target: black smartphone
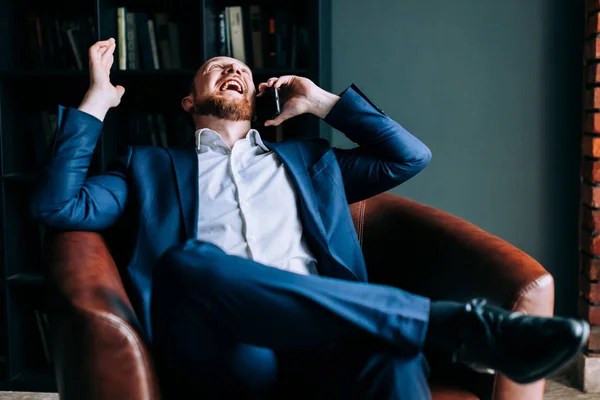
x=268 y=105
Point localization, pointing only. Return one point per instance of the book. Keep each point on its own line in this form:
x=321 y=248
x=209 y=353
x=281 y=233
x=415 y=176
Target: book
x=153 y=43
x=228 y=32
x=236 y=30
x=174 y=44
x=144 y=41
x=132 y=41
x=256 y=28
x=271 y=41
x=282 y=39
x=122 y=38
x=210 y=26
x=163 y=40
x=223 y=41
x=72 y=36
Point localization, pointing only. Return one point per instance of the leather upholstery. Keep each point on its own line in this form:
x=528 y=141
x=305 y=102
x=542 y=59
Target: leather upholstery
x=100 y=354
x=98 y=351
x=441 y=256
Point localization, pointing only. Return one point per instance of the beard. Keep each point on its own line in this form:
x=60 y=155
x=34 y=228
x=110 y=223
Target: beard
x=237 y=109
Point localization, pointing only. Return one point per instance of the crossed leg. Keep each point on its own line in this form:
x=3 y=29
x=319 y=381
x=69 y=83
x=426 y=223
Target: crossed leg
x=227 y=325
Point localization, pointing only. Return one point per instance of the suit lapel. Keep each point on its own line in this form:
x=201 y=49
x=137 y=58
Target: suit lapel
x=185 y=164
x=291 y=156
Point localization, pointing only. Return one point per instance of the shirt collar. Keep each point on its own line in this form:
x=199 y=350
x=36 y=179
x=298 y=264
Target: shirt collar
x=211 y=139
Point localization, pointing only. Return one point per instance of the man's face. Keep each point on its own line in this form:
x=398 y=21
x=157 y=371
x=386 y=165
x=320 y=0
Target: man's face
x=224 y=88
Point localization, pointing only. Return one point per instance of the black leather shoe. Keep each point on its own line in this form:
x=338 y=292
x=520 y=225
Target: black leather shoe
x=521 y=347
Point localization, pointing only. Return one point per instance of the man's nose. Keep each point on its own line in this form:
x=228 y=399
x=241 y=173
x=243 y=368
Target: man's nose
x=234 y=68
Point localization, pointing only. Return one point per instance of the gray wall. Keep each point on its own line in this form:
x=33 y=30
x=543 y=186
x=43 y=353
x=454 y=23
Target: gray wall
x=493 y=88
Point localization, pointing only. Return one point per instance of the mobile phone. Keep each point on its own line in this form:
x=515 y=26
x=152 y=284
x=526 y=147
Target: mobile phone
x=268 y=105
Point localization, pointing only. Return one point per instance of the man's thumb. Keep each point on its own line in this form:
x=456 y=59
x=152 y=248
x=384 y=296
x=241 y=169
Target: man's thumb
x=277 y=120
x=120 y=90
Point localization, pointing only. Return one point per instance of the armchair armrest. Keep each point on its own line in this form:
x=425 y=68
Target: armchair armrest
x=98 y=349
x=438 y=255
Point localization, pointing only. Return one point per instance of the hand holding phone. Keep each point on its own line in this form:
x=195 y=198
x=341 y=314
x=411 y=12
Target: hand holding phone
x=268 y=105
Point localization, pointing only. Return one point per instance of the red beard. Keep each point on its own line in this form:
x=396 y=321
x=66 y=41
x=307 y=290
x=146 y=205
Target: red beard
x=225 y=108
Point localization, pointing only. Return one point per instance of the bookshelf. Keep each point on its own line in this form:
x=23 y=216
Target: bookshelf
x=43 y=63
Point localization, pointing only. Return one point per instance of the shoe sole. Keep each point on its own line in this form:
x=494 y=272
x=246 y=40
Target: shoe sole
x=556 y=366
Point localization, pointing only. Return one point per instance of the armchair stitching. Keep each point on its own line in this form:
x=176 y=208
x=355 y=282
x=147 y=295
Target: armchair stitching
x=361 y=221
x=539 y=282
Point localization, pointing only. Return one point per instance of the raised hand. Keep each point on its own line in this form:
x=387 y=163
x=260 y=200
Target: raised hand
x=102 y=94
x=299 y=96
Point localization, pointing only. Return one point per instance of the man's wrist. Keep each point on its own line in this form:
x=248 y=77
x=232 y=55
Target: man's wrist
x=94 y=104
x=322 y=102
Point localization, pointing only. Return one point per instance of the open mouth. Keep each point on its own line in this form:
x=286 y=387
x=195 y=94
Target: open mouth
x=232 y=84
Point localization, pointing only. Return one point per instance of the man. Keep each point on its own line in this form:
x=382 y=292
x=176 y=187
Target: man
x=245 y=267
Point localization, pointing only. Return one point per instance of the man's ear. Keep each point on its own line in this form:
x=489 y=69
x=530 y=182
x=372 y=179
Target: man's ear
x=187 y=103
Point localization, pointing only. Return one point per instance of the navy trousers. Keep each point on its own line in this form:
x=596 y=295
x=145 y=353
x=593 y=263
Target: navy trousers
x=226 y=326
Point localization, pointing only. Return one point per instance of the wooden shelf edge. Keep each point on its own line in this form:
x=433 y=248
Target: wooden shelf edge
x=33 y=379
x=19 y=176
x=26 y=278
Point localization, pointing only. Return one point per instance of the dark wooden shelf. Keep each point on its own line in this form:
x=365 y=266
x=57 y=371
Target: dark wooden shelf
x=24 y=69
x=19 y=177
x=174 y=73
x=36 y=380
x=26 y=279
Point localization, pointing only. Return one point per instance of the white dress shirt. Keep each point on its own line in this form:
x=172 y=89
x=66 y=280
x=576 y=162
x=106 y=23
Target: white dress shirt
x=247 y=203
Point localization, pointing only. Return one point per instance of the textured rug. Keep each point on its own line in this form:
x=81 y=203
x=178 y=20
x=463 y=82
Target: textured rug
x=557 y=388
x=27 y=396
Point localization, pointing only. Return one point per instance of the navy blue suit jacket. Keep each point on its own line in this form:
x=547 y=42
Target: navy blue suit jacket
x=155 y=189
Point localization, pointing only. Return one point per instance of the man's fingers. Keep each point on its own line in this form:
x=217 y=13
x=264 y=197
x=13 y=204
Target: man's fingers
x=99 y=48
x=283 y=80
x=278 y=120
x=262 y=86
x=275 y=82
x=111 y=49
x=103 y=43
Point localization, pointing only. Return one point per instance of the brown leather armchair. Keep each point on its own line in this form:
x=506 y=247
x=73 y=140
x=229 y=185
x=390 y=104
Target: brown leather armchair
x=100 y=354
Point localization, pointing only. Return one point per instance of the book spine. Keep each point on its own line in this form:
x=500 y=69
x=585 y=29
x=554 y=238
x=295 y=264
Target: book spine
x=132 y=42
x=145 y=46
x=257 y=36
x=228 y=30
x=153 y=44
x=238 y=49
x=271 y=42
x=122 y=39
x=175 y=46
x=222 y=35
x=75 y=48
x=162 y=37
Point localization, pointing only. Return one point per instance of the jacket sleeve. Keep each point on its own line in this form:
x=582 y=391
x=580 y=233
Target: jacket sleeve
x=387 y=154
x=63 y=197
